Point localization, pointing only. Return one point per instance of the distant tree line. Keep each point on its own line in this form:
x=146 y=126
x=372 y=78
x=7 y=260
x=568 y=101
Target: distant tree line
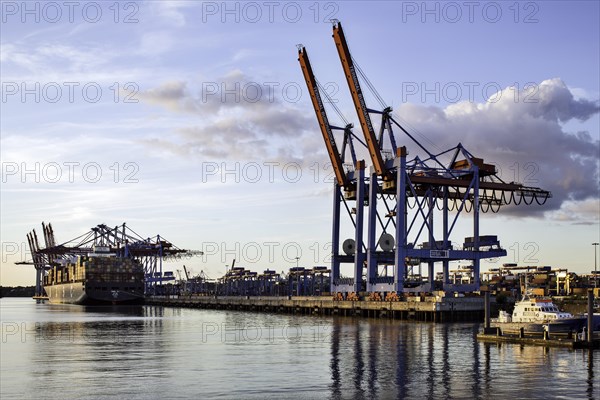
x=17 y=291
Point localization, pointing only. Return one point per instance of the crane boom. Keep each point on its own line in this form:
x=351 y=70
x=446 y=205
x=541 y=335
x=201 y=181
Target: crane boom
x=315 y=96
x=359 y=100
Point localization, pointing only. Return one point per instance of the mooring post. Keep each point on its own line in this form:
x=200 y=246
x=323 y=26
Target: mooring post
x=590 y=316
x=486 y=308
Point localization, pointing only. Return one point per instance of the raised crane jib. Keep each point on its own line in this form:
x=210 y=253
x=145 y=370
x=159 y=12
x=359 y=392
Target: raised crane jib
x=359 y=100
x=319 y=108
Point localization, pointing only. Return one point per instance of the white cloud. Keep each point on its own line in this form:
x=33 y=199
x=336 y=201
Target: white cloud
x=237 y=125
x=526 y=139
x=170 y=12
x=172 y=95
x=155 y=43
x=586 y=212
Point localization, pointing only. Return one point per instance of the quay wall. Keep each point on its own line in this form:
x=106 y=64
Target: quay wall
x=434 y=308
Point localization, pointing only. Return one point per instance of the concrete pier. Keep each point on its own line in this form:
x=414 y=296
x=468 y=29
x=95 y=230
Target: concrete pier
x=541 y=339
x=432 y=308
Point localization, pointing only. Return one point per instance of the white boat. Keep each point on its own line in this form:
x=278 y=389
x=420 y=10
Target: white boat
x=536 y=314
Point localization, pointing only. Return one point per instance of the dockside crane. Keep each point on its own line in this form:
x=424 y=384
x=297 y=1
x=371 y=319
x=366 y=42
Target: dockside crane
x=337 y=158
x=464 y=185
x=351 y=180
x=374 y=144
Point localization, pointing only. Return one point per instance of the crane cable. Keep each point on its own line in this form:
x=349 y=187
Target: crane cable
x=383 y=104
x=369 y=84
x=331 y=101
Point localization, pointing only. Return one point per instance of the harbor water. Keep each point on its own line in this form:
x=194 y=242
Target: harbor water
x=150 y=352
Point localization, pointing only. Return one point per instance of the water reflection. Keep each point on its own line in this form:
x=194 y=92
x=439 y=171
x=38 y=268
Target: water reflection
x=334 y=365
x=372 y=344
x=95 y=346
x=147 y=352
x=359 y=368
x=395 y=359
x=590 y=376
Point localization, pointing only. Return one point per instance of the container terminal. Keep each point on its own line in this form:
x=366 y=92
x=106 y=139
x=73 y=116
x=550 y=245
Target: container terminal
x=394 y=226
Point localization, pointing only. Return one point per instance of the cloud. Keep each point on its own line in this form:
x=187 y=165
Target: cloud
x=169 y=12
x=238 y=118
x=39 y=61
x=586 y=212
x=156 y=43
x=49 y=56
x=172 y=95
x=243 y=54
x=523 y=134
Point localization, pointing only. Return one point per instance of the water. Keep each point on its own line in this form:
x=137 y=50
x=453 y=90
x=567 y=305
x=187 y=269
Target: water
x=146 y=352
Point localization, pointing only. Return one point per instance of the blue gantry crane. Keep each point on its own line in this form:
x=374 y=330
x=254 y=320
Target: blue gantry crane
x=407 y=197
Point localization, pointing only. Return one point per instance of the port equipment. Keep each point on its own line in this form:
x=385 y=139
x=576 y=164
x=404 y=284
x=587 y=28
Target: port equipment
x=308 y=282
x=239 y=281
x=298 y=281
x=199 y=284
x=268 y=283
x=350 y=187
x=406 y=196
x=121 y=240
x=320 y=276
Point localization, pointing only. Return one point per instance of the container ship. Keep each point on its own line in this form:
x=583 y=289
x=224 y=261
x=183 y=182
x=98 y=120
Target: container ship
x=100 y=277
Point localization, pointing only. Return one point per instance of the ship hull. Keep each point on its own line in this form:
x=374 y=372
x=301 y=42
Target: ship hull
x=90 y=293
x=565 y=325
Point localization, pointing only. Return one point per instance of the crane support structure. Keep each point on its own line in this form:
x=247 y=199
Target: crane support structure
x=319 y=108
x=414 y=205
x=359 y=100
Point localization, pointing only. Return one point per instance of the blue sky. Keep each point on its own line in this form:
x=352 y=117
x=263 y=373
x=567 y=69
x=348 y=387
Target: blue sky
x=163 y=98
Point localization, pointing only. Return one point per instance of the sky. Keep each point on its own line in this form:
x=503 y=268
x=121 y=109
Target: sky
x=192 y=120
